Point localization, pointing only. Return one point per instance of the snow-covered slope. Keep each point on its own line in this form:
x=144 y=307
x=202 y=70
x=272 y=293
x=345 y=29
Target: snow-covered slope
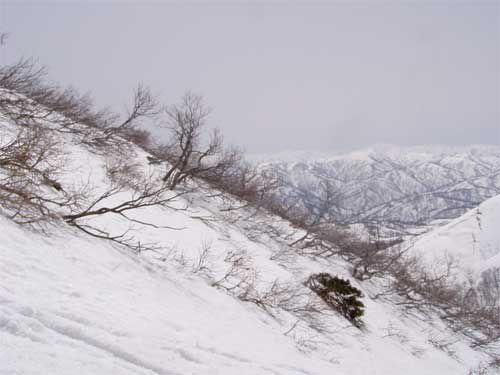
x=75 y=304
x=472 y=240
x=394 y=185
x=71 y=304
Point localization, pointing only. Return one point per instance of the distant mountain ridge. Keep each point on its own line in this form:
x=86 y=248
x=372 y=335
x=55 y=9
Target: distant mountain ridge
x=364 y=152
x=402 y=186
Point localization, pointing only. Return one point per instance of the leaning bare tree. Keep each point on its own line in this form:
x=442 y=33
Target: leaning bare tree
x=129 y=190
x=186 y=152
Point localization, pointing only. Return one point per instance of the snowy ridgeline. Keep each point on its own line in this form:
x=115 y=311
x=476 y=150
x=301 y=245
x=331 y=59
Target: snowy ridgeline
x=74 y=304
x=399 y=186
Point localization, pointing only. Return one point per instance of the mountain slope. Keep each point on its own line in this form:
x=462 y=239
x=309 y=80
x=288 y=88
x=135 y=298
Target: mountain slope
x=214 y=285
x=75 y=304
x=472 y=240
x=87 y=308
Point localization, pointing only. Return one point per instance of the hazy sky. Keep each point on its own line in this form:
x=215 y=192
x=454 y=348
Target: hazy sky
x=284 y=76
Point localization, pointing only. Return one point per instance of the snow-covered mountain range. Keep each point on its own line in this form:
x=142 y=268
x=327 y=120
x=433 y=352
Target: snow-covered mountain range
x=393 y=185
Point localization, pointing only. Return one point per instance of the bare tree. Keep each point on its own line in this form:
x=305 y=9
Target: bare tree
x=144 y=106
x=27 y=97
x=30 y=164
x=129 y=190
x=471 y=310
x=488 y=289
x=187 y=154
x=3 y=38
x=375 y=257
x=31 y=159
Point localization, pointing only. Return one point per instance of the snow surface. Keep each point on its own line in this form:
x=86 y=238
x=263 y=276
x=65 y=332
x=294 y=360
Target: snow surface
x=76 y=305
x=472 y=240
x=73 y=304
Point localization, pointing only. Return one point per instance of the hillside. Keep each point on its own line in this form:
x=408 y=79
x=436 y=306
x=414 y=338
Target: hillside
x=139 y=237
x=74 y=305
x=472 y=240
x=220 y=292
x=401 y=187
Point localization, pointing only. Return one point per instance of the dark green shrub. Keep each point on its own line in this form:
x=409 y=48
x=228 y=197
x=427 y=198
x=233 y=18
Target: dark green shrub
x=339 y=294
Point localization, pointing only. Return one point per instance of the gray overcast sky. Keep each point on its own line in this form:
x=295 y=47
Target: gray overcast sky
x=330 y=76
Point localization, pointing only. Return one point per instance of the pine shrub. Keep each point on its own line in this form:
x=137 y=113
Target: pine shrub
x=340 y=295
